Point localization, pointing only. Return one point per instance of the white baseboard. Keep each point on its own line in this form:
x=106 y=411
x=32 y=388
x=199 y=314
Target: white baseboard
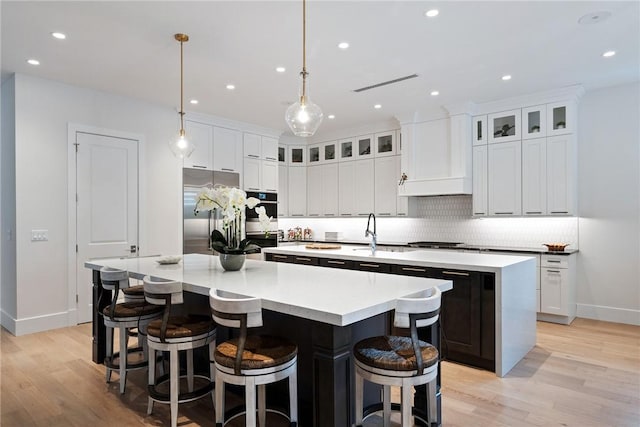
x=8 y=322
x=31 y=325
x=609 y=314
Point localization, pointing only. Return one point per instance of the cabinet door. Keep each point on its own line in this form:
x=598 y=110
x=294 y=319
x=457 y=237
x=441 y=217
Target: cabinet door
x=252 y=174
x=330 y=189
x=347 y=188
x=297 y=191
x=504 y=179
x=269 y=176
x=534 y=176
x=269 y=148
x=534 y=122
x=385 y=197
x=227 y=150
x=480 y=130
x=560 y=175
x=364 y=147
x=560 y=118
x=297 y=155
x=314 y=190
x=504 y=127
x=314 y=154
x=346 y=149
x=480 y=176
x=283 y=191
x=553 y=291
x=365 y=187
x=385 y=144
x=202 y=138
x=329 y=152
x=282 y=155
x=402 y=202
x=252 y=145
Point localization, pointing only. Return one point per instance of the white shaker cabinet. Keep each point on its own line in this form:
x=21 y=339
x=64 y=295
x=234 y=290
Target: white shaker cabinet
x=534 y=122
x=402 y=202
x=386 y=184
x=252 y=144
x=385 y=143
x=480 y=130
x=365 y=187
x=269 y=148
x=561 y=175
x=283 y=190
x=561 y=118
x=314 y=190
x=252 y=174
x=201 y=136
x=227 y=150
x=557 y=288
x=504 y=179
x=269 y=176
x=534 y=177
x=330 y=189
x=504 y=126
x=347 y=188
x=297 y=191
x=480 y=176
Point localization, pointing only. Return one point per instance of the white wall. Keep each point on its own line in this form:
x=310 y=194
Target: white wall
x=609 y=205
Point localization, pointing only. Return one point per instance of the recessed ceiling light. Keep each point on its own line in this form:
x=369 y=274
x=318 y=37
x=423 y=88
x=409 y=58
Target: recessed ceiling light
x=435 y=93
x=377 y=106
x=343 y=45
x=506 y=77
x=431 y=13
x=59 y=36
x=194 y=101
x=609 y=53
x=331 y=116
x=281 y=69
x=594 y=18
x=231 y=87
x=33 y=62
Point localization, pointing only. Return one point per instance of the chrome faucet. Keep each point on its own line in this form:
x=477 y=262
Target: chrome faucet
x=373 y=233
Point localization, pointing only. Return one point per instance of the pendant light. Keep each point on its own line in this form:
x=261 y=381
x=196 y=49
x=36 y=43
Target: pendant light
x=181 y=146
x=304 y=117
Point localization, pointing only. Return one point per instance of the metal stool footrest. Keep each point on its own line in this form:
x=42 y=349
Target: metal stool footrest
x=183 y=397
x=415 y=412
x=239 y=410
x=109 y=361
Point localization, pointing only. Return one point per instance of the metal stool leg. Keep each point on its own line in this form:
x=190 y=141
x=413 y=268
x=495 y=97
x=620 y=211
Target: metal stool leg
x=406 y=405
x=124 y=339
x=262 y=409
x=386 y=405
x=109 y=352
x=174 y=374
x=219 y=391
x=293 y=396
x=190 y=369
x=152 y=377
x=359 y=399
x=250 y=400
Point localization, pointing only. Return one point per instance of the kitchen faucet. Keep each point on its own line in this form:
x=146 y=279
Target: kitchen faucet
x=373 y=234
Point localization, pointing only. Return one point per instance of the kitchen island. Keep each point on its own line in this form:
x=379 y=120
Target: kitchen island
x=512 y=284
x=324 y=310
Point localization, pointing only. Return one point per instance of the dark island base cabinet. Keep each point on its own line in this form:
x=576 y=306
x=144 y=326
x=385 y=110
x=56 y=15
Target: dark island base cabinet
x=468 y=310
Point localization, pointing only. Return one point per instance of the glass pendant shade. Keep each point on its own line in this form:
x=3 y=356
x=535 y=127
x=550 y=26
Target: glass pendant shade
x=181 y=146
x=304 y=117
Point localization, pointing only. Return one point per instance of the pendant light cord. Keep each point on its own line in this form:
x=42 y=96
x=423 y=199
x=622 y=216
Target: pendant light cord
x=181 y=91
x=304 y=52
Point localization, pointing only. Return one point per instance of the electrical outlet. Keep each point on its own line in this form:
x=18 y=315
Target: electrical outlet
x=39 y=235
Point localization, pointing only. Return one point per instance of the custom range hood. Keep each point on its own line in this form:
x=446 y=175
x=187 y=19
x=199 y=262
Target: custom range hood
x=436 y=152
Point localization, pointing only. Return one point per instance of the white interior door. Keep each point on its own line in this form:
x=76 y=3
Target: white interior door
x=107 y=206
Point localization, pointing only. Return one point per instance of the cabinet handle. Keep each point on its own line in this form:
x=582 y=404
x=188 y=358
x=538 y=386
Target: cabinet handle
x=335 y=262
x=271 y=158
x=479 y=213
x=559 y=212
x=297 y=215
x=553 y=271
x=228 y=170
x=420 y=270
x=199 y=167
x=329 y=214
x=271 y=189
x=503 y=213
x=345 y=214
x=455 y=273
x=280 y=256
x=533 y=212
x=302 y=259
x=253 y=188
x=314 y=214
x=364 y=264
x=363 y=214
x=384 y=214
x=253 y=155
x=554 y=260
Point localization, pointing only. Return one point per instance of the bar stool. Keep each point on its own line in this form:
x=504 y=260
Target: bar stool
x=401 y=361
x=134 y=293
x=251 y=360
x=175 y=333
x=124 y=316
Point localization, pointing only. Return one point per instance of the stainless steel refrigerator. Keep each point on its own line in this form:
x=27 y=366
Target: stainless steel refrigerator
x=197 y=230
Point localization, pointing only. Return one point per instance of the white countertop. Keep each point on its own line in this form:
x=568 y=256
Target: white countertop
x=419 y=257
x=334 y=296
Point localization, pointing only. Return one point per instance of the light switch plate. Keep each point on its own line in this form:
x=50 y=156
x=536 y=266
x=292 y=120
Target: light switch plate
x=39 y=235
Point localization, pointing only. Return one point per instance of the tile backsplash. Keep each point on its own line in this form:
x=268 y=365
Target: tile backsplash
x=448 y=218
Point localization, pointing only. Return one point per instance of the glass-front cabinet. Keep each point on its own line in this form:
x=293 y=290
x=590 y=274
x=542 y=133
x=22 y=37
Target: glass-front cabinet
x=297 y=156
x=282 y=154
x=329 y=154
x=504 y=127
x=560 y=118
x=385 y=144
x=314 y=154
x=364 y=147
x=345 y=149
x=480 y=130
x=534 y=122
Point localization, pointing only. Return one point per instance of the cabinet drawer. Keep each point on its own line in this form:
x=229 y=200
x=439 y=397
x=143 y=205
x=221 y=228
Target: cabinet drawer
x=411 y=270
x=554 y=261
x=372 y=266
x=306 y=260
x=336 y=263
x=279 y=258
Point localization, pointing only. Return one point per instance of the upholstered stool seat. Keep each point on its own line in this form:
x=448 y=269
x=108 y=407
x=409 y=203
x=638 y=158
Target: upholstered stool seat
x=251 y=360
x=134 y=293
x=125 y=317
x=401 y=361
x=174 y=333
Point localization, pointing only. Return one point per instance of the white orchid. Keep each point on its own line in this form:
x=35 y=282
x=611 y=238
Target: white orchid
x=265 y=221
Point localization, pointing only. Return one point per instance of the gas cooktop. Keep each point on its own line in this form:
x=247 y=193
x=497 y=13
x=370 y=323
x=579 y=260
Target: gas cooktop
x=435 y=245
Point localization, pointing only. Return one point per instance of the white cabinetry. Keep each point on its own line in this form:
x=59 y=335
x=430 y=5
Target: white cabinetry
x=534 y=122
x=504 y=179
x=297 y=191
x=202 y=138
x=385 y=143
x=330 y=189
x=561 y=175
x=227 y=150
x=269 y=176
x=480 y=176
x=297 y=155
x=365 y=187
x=283 y=190
x=504 y=126
x=386 y=186
x=269 y=148
x=534 y=176
x=402 y=202
x=561 y=118
x=557 y=288
x=364 y=147
x=347 y=188
x=260 y=163
x=314 y=190
x=480 y=130
x=252 y=174
x=252 y=145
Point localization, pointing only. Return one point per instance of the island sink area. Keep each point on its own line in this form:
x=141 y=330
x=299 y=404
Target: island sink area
x=488 y=318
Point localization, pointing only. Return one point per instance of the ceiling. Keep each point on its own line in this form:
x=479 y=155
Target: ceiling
x=128 y=48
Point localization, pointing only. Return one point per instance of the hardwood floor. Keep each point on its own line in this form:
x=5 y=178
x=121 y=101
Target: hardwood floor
x=586 y=374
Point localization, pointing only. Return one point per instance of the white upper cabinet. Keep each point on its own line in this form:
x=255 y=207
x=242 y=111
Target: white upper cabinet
x=480 y=176
x=269 y=176
x=283 y=191
x=282 y=155
x=402 y=202
x=330 y=189
x=297 y=155
x=314 y=154
x=480 y=130
x=504 y=127
x=329 y=152
x=561 y=118
x=252 y=174
x=534 y=122
x=364 y=147
x=346 y=149
x=297 y=191
x=202 y=138
x=269 y=148
x=314 y=190
x=385 y=144
x=227 y=150
x=252 y=145
x=347 y=188
x=365 y=187
x=386 y=185
x=534 y=177
x=505 y=179
x=561 y=175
